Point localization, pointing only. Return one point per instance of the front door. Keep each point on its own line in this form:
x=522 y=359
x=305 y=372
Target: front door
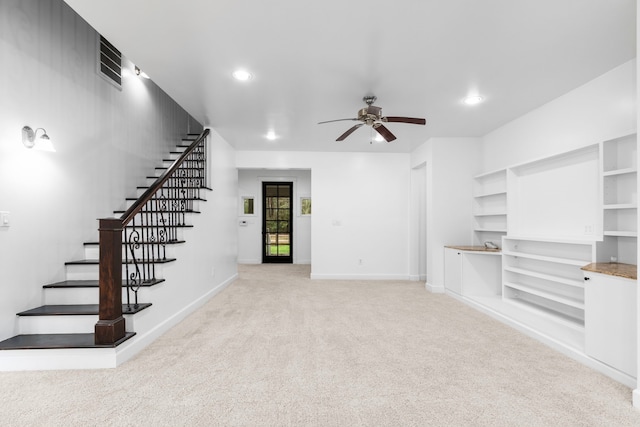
x=277 y=224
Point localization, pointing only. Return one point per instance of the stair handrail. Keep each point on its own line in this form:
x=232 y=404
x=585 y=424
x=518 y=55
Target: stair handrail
x=146 y=196
x=110 y=328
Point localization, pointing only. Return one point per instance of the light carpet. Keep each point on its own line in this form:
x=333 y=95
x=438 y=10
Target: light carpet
x=278 y=349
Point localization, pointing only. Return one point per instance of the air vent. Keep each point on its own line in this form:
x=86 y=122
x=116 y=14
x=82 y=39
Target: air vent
x=110 y=63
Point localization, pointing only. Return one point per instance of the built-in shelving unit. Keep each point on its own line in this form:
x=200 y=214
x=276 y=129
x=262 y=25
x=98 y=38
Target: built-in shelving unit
x=619 y=198
x=565 y=211
x=490 y=207
x=543 y=275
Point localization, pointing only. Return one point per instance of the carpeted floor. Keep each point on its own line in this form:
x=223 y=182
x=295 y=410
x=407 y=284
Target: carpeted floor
x=277 y=349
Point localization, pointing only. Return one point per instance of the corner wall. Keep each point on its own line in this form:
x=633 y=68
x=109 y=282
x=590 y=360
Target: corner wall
x=451 y=164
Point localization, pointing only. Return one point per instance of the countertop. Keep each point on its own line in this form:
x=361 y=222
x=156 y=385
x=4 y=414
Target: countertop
x=628 y=271
x=473 y=248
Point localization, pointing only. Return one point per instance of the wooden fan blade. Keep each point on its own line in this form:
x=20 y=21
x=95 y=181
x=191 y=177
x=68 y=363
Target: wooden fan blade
x=386 y=133
x=411 y=120
x=349 y=132
x=338 y=120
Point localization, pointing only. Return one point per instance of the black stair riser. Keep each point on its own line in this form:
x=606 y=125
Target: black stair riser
x=97 y=262
x=78 y=310
x=57 y=341
x=77 y=284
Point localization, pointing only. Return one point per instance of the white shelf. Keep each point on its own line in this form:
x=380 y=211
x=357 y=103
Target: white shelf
x=490 y=230
x=568 y=321
x=620 y=172
x=544 y=276
x=547 y=295
x=490 y=194
x=621 y=233
x=501 y=213
x=485 y=175
x=569 y=261
x=619 y=195
x=621 y=206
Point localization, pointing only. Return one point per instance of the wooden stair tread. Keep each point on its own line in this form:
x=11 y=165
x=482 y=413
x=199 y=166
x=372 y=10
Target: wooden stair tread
x=57 y=341
x=78 y=310
x=190 y=211
x=96 y=261
x=171 y=198
x=93 y=284
x=168 y=242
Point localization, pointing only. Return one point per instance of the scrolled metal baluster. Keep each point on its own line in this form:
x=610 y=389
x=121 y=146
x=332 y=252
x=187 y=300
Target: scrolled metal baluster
x=133 y=278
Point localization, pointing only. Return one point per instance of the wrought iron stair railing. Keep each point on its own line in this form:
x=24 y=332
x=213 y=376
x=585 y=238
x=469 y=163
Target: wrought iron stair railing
x=136 y=241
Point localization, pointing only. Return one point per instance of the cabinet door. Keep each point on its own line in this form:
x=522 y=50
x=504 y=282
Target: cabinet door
x=610 y=321
x=453 y=270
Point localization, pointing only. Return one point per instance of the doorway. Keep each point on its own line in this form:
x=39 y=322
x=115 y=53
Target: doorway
x=277 y=222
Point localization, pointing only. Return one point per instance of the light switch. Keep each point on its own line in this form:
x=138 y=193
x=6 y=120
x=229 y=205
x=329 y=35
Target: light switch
x=5 y=219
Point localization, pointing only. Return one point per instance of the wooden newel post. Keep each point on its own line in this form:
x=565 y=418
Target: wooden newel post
x=111 y=325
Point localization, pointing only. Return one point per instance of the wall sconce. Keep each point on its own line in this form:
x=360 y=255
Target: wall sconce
x=30 y=141
x=140 y=73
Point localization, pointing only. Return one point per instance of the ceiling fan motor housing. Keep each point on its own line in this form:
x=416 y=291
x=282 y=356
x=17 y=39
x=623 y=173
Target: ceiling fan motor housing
x=370 y=114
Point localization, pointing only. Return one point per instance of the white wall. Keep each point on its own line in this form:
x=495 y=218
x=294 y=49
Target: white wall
x=250 y=235
x=599 y=110
x=360 y=210
x=206 y=263
x=107 y=141
x=451 y=164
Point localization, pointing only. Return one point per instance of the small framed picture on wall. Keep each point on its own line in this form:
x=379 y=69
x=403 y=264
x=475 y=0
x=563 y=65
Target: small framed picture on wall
x=305 y=205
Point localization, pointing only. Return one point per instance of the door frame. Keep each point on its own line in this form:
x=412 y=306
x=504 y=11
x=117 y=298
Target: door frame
x=269 y=259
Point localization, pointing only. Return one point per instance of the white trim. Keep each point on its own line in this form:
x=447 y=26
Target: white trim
x=138 y=343
x=636 y=397
x=359 y=276
x=99 y=358
x=555 y=344
x=434 y=289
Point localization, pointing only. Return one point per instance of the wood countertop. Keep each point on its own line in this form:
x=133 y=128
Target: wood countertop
x=473 y=248
x=627 y=271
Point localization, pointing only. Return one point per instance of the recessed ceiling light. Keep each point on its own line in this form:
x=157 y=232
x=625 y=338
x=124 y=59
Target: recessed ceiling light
x=271 y=135
x=473 y=100
x=242 y=75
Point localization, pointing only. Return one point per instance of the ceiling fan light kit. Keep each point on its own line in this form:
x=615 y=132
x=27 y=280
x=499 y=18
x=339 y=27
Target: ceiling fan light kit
x=371 y=115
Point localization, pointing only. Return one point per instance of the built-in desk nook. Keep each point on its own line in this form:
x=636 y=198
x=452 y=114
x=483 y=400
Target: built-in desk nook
x=566 y=226
x=472 y=270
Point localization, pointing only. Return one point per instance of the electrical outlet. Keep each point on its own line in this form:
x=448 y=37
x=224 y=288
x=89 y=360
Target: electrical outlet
x=5 y=219
x=360 y=261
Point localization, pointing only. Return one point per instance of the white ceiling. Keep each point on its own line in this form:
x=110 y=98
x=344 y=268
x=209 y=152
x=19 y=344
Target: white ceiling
x=315 y=60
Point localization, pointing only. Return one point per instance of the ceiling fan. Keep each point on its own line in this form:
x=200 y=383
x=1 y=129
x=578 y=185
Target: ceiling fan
x=372 y=116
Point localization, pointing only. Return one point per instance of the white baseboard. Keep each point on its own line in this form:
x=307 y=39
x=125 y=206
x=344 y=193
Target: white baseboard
x=554 y=343
x=359 y=276
x=249 y=261
x=434 y=289
x=136 y=344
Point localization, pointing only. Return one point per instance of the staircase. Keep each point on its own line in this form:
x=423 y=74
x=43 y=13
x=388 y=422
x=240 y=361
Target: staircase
x=61 y=334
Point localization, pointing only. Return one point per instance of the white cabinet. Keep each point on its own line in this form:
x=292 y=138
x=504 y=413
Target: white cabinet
x=610 y=321
x=472 y=272
x=490 y=206
x=453 y=270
